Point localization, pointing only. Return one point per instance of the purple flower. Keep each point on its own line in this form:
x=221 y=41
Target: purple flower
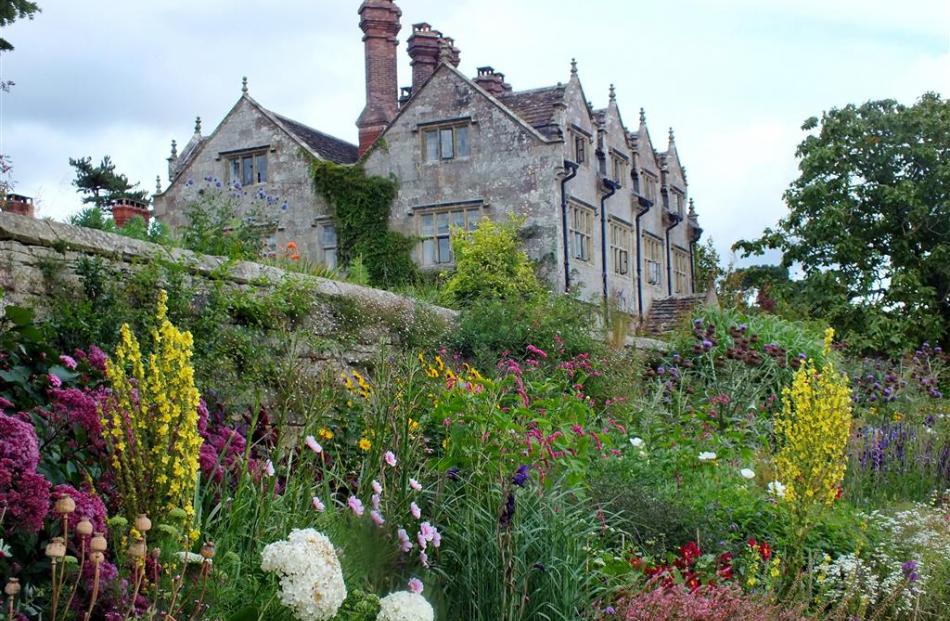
x=377 y=518
x=452 y=473
x=910 y=571
x=405 y=544
x=54 y=381
x=521 y=476
x=5 y=405
x=415 y=510
x=377 y=488
x=68 y=361
x=390 y=459
x=98 y=358
x=415 y=586
x=356 y=505
x=610 y=610
x=18 y=444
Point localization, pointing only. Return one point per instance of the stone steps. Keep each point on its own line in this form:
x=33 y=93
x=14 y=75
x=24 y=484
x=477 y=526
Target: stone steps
x=668 y=314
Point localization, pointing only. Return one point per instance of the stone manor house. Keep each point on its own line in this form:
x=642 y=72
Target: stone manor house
x=606 y=215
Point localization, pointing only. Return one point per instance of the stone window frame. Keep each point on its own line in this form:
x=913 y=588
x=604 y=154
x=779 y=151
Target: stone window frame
x=618 y=167
x=580 y=140
x=580 y=225
x=650 y=185
x=439 y=128
x=680 y=260
x=457 y=215
x=621 y=235
x=653 y=259
x=234 y=161
x=679 y=202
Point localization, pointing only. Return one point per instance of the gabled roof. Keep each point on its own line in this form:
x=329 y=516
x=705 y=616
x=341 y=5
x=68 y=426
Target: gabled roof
x=537 y=107
x=325 y=145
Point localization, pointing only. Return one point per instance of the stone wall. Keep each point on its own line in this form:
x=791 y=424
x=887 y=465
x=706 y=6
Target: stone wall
x=29 y=248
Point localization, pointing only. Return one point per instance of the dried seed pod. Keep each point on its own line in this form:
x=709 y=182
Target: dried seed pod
x=84 y=528
x=98 y=543
x=137 y=548
x=13 y=587
x=207 y=550
x=97 y=557
x=143 y=524
x=56 y=548
x=65 y=505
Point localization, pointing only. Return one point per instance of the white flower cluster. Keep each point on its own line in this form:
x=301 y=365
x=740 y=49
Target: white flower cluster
x=404 y=606
x=311 y=580
x=876 y=580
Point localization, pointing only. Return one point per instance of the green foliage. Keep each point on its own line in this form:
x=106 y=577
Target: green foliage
x=869 y=223
x=12 y=10
x=361 y=208
x=213 y=226
x=101 y=185
x=552 y=322
x=490 y=265
x=708 y=268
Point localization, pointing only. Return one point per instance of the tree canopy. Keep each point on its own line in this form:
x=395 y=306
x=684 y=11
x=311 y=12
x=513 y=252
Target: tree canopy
x=12 y=10
x=869 y=222
x=100 y=185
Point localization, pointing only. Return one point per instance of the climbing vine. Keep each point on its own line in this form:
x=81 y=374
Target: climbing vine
x=361 y=205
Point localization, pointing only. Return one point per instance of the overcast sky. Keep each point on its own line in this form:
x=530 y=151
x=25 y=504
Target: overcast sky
x=735 y=78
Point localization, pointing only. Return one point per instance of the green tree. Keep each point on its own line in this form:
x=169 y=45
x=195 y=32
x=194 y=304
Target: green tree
x=706 y=263
x=12 y=10
x=100 y=185
x=869 y=222
x=490 y=265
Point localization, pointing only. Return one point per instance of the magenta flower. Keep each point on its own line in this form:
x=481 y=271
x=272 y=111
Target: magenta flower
x=356 y=505
x=415 y=485
x=54 y=381
x=415 y=510
x=68 y=361
x=415 y=586
x=390 y=458
x=318 y=505
x=5 y=405
x=377 y=518
x=98 y=358
x=313 y=445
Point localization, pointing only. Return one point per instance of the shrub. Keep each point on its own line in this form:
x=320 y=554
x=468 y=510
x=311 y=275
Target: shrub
x=490 y=265
x=708 y=603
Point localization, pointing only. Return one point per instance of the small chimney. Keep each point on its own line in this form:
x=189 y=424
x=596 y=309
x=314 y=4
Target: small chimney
x=492 y=81
x=379 y=21
x=448 y=53
x=18 y=204
x=124 y=209
x=424 y=49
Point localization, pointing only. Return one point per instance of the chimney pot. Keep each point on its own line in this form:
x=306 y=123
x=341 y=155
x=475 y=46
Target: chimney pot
x=124 y=209
x=424 y=49
x=379 y=21
x=492 y=81
x=19 y=204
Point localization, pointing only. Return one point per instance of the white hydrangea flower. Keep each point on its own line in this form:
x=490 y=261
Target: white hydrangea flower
x=776 y=488
x=404 y=606
x=311 y=579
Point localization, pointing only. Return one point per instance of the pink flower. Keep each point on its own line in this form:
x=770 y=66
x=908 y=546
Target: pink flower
x=390 y=458
x=5 y=405
x=415 y=586
x=269 y=468
x=377 y=518
x=68 y=361
x=424 y=558
x=54 y=381
x=422 y=540
x=356 y=505
x=318 y=505
x=415 y=485
x=405 y=544
x=377 y=488
x=97 y=358
x=375 y=501
x=313 y=445
x=427 y=531
x=415 y=510
x=436 y=538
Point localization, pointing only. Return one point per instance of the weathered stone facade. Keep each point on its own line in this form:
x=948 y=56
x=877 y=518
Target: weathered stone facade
x=605 y=214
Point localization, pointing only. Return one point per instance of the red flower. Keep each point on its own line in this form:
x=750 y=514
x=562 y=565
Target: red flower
x=765 y=551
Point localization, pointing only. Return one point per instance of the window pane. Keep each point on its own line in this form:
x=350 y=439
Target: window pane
x=579 y=149
x=473 y=216
x=442 y=222
x=432 y=145
x=461 y=137
x=448 y=149
x=428 y=252
x=235 y=170
x=248 y=165
x=262 y=167
x=329 y=236
x=427 y=221
x=445 y=250
x=458 y=219
x=329 y=258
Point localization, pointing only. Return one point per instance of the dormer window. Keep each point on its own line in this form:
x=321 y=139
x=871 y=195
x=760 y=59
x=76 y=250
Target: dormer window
x=649 y=187
x=580 y=149
x=618 y=168
x=247 y=168
x=445 y=142
x=679 y=202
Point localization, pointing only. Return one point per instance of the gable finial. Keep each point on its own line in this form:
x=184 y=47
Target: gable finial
x=671 y=136
x=158 y=184
x=198 y=125
x=613 y=93
x=244 y=85
x=174 y=150
x=643 y=117
x=573 y=66
x=692 y=208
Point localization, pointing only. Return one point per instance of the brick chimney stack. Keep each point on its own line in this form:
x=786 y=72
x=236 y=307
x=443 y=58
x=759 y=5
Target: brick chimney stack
x=18 y=204
x=492 y=81
x=379 y=21
x=124 y=209
x=425 y=47
x=449 y=53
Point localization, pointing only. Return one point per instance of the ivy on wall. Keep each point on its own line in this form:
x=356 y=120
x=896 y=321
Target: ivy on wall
x=361 y=206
